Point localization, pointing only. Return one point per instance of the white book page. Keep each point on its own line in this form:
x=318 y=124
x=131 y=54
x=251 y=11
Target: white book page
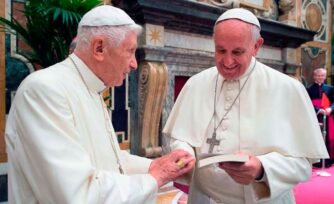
x=207 y=159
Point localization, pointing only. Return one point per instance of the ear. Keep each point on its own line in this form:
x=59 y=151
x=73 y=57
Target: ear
x=97 y=45
x=258 y=45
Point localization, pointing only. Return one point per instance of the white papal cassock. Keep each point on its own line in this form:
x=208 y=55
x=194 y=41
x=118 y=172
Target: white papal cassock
x=273 y=119
x=59 y=147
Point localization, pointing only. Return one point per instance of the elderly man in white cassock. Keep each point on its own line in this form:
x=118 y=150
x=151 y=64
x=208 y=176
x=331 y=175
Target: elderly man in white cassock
x=242 y=106
x=61 y=144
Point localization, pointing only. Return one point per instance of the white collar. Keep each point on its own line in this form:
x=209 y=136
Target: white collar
x=90 y=79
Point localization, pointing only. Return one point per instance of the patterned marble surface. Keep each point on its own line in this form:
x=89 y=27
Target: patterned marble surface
x=168 y=194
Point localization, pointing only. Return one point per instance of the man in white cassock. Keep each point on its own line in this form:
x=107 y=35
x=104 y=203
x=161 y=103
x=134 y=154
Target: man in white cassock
x=61 y=144
x=242 y=106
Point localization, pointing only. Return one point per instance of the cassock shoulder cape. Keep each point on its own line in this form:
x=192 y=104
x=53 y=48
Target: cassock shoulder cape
x=59 y=150
x=274 y=108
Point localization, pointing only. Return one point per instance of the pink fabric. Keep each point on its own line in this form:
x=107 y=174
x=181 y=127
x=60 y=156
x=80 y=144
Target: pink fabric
x=182 y=187
x=331 y=137
x=317 y=103
x=318 y=190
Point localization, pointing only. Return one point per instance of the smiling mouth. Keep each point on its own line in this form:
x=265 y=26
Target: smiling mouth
x=230 y=69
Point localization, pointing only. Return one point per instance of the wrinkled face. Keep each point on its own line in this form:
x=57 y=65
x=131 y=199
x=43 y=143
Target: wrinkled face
x=319 y=77
x=119 y=61
x=234 y=48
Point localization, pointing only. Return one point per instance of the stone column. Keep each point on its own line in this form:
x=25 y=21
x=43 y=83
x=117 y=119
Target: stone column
x=148 y=87
x=3 y=156
x=289 y=58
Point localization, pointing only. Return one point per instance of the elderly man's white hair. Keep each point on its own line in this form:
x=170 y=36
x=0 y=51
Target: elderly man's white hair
x=319 y=70
x=107 y=21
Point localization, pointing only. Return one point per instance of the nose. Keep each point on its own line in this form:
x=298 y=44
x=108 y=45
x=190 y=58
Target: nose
x=133 y=63
x=228 y=60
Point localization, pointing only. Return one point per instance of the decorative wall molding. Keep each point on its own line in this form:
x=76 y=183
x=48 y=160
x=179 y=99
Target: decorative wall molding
x=199 y=18
x=313 y=57
x=288 y=12
x=222 y=3
x=314 y=16
x=152 y=88
x=286 y=6
x=314 y=52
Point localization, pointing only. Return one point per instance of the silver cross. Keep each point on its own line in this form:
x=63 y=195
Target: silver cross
x=212 y=141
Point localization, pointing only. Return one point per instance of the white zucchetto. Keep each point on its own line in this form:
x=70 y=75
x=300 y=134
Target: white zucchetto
x=106 y=15
x=241 y=14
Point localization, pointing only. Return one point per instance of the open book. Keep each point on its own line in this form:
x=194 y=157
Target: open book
x=207 y=159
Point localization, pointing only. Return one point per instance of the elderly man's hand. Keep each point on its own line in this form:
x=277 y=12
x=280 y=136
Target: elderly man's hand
x=322 y=112
x=328 y=111
x=171 y=166
x=244 y=173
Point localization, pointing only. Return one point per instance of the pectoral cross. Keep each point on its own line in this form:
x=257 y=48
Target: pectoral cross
x=212 y=141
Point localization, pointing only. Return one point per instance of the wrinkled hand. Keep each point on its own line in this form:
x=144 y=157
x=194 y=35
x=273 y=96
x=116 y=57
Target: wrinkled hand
x=169 y=167
x=244 y=173
x=322 y=112
x=328 y=111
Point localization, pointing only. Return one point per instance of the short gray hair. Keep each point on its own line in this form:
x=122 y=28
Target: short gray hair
x=114 y=34
x=319 y=70
x=255 y=33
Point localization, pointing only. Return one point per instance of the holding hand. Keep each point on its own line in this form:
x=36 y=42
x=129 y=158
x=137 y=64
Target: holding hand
x=244 y=173
x=171 y=166
x=321 y=111
x=328 y=111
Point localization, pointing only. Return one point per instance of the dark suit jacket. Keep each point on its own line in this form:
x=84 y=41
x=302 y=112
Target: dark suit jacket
x=315 y=92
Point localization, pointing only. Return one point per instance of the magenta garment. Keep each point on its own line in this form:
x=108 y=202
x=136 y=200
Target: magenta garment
x=317 y=104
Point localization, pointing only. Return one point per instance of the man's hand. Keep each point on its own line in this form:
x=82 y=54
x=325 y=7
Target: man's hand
x=328 y=111
x=171 y=166
x=244 y=173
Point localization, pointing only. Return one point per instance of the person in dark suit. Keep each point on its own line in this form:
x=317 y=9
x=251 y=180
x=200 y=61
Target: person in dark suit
x=322 y=96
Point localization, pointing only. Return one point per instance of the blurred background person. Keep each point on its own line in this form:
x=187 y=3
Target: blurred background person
x=322 y=96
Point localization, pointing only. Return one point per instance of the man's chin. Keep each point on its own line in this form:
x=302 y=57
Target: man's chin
x=119 y=84
x=230 y=76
